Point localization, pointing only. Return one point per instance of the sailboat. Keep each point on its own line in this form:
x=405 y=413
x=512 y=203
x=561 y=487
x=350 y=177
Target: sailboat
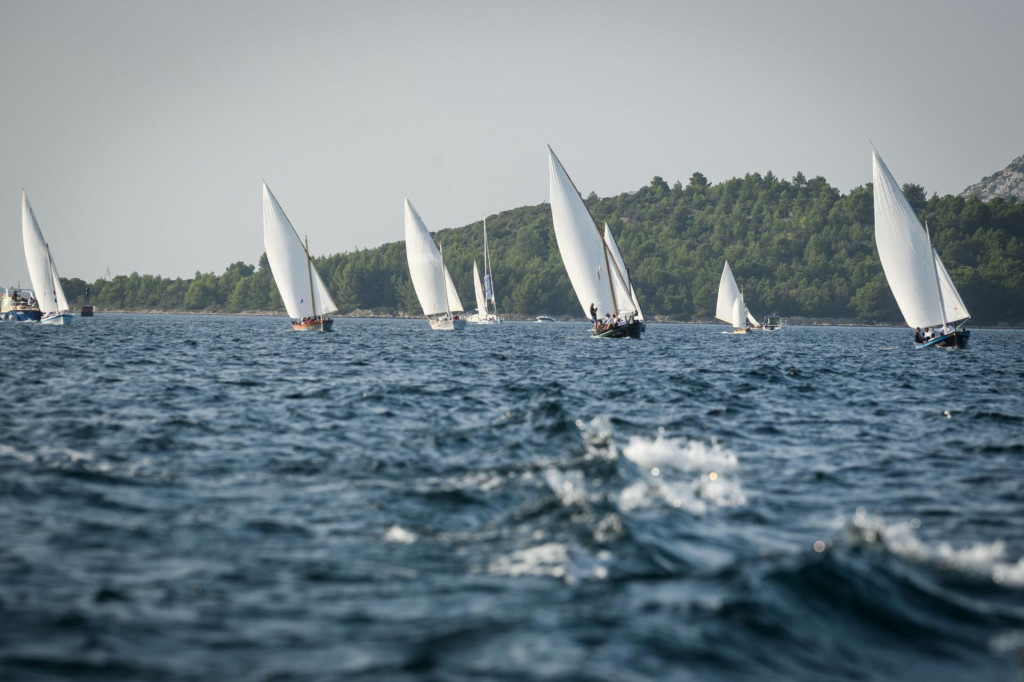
x=919 y=281
x=600 y=280
x=731 y=307
x=484 y=290
x=42 y=270
x=433 y=285
x=303 y=292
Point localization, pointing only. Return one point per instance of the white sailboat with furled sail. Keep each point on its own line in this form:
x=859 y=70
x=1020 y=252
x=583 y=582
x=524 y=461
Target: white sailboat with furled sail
x=731 y=307
x=433 y=285
x=600 y=280
x=42 y=270
x=303 y=291
x=919 y=281
x=484 y=290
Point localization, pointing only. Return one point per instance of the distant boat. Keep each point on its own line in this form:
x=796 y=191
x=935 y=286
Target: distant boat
x=730 y=307
x=19 y=305
x=772 y=323
x=303 y=291
x=545 y=318
x=919 y=281
x=433 y=285
x=600 y=280
x=484 y=290
x=41 y=268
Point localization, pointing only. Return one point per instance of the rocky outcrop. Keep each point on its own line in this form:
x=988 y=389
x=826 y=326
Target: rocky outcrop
x=1008 y=182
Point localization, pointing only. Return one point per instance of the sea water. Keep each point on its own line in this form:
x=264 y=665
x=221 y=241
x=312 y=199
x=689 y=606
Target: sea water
x=220 y=498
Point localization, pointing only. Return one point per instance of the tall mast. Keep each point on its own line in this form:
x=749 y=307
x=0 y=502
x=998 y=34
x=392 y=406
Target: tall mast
x=309 y=266
x=488 y=276
x=53 y=276
x=444 y=280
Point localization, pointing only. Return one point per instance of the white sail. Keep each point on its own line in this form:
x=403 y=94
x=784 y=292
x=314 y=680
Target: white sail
x=737 y=312
x=728 y=295
x=62 y=303
x=753 y=320
x=579 y=242
x=481 y=299
x=907 y=257
x=430 y=279
x=624 y=290
x=42 y=271
x=952 y=303
x=291 y=264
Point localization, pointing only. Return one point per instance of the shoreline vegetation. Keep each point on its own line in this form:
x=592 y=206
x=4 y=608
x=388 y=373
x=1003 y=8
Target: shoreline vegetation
x=802 y=249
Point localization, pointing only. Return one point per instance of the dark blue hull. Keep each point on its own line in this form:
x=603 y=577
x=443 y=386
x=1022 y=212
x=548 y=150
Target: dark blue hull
x=957 y=339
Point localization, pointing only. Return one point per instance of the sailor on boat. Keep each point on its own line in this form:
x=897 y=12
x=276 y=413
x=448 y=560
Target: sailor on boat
x=918 y=336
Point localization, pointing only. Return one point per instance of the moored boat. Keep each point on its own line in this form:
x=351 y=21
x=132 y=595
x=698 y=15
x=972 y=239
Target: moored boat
x=922 y=287
x=302 y=290
x=599 y=279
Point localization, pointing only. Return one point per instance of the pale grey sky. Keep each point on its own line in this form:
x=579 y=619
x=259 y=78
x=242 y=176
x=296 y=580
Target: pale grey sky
x=141 y=130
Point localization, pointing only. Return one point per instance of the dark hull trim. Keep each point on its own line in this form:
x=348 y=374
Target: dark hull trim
x=957 y=339
x=633 y=330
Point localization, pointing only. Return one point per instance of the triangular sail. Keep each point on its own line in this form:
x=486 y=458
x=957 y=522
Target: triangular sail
x=728 y=295
x=753 y=320
x=907 y=258
x=478 y=288
x=42 y=271
x=624 y=290
x=62 y=303
x=579 y=242
x=290 y=264
x=951 y=301
x=430 y=279
x=737 y=312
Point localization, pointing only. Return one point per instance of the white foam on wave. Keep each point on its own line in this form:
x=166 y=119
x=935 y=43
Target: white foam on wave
x=553 y=559
x=690 y=475
x=399 y=535
x=988 y=560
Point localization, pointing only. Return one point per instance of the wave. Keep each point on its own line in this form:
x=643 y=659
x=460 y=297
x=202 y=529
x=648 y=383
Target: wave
x=985 y=560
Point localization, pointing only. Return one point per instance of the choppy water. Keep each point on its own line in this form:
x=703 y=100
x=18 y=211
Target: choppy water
x=219 y=498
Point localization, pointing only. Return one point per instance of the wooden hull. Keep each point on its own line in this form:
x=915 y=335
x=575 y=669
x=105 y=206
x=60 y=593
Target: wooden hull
x=957 y=339
x=633 y=330
x=318 y=325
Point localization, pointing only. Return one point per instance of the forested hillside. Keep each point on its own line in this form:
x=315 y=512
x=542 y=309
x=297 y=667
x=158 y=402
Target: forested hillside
x=798 y=248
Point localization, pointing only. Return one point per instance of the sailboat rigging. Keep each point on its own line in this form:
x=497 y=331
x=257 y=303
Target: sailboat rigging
x=601 y=282
x=303 y=291
x=42 y=270
x=919 y=281
x=484 y=290
x=731 y=306
x=434 y=287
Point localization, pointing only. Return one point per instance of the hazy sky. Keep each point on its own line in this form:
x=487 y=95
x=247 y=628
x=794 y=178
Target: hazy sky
x=141 y=130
